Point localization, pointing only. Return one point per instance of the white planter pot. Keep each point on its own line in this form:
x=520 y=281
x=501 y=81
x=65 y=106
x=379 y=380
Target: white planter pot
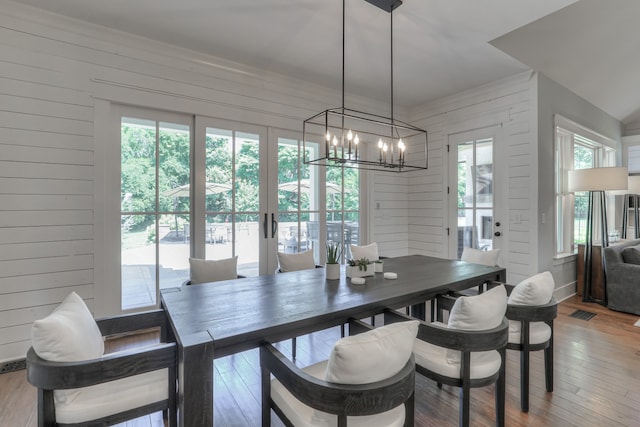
x=378 y=267
x=332 y=271
x=356 y=272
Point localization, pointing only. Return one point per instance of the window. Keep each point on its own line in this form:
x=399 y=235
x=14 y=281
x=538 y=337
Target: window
x=576 y=148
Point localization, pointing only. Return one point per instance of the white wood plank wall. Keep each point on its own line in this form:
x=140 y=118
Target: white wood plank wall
x=46 y=188
x=506 y=103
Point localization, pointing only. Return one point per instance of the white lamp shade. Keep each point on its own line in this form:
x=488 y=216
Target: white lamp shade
x=598 y=179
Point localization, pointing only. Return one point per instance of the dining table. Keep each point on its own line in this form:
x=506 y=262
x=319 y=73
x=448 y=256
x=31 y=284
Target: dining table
x=213 y=320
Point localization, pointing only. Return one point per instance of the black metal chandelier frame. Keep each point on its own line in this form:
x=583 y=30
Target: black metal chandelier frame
x=343 y=149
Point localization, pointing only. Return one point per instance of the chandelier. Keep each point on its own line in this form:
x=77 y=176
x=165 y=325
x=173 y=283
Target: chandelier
x=363 y=140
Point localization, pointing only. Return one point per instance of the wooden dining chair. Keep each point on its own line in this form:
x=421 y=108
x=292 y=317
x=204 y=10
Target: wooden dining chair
x=531 y=310
x=297 y=262
x=468 y=351
x=368 y=381
x=80 y=385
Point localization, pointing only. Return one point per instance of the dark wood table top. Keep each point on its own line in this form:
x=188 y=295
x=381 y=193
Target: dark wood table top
x=236 y=315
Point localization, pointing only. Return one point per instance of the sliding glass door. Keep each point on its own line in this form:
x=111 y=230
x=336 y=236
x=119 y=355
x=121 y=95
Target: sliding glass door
x=213 y=189
x=155 y=169
x=233 y=185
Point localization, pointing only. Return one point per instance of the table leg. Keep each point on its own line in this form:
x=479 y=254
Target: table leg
x=195 y=384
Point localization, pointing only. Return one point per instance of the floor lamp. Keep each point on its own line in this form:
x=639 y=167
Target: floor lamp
x=596 y=181
x=631 y=196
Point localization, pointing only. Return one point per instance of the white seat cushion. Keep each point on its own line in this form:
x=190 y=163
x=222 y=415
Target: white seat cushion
x=476 y=256
x=296 y=262
x=535 y=290
x=100 y=400
x=477 y=313
x=369 y=252
x=434 y=358
x=539 y=332
x=68 y=334
x=205 y=271
x=372 y=356
x=302 y=415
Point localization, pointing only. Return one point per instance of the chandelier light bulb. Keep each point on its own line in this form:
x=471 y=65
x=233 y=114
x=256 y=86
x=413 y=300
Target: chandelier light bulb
x=356 y=140
x=380 y=143
x=349 y=135
x=384 y=147
x=335 y=141
x=401 y=144
x=328 y=136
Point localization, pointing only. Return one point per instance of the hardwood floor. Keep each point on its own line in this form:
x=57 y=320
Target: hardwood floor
x=597 y=381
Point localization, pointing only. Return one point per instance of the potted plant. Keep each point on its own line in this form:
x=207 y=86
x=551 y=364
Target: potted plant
x=334 y=252
x=359 y=268
x=378 y=266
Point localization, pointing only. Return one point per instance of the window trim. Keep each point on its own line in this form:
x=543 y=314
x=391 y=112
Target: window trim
x=564 y=201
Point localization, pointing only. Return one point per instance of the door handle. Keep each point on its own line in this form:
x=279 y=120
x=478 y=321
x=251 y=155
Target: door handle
x=274 y=225
x=264 y=225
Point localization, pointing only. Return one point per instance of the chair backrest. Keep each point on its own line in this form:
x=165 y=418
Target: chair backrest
x=67 y=364
x=296 y=262
x=377 y=383
x=369 y=252
x=532 y=291
x=205 y=271
x=476 y=256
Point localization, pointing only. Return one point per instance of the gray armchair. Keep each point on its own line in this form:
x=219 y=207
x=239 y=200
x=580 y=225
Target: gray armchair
x=623 y=276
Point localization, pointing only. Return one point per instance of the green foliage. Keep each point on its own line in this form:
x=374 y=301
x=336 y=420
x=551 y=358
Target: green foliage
x=138 y=175
x=334 y=252
x=362 y=263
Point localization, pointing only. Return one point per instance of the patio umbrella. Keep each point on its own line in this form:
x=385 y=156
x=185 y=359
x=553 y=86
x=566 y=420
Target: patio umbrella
x=305 y=187
x=184 y=190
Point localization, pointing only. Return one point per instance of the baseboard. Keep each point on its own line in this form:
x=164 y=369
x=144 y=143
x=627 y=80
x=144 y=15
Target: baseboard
x=14 y=365
x=564 y=292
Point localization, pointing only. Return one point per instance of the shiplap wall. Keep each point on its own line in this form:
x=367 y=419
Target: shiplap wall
x=510 y=104
x=46 y=187
x=56 y=76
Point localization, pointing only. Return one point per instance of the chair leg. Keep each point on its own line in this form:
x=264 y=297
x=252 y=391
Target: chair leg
x=465 y=402
x=548 y=366
x=293 y=347
x=524 y=381
x=433 y=310
x=373 y=320
x=409 y=411
x=342 y=331
x=500 y=392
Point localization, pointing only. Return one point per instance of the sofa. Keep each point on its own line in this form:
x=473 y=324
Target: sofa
x=622 y=269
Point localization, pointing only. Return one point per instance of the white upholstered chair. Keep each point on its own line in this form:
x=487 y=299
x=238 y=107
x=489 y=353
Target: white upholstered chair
x=468 y=351
x=369 y=252
x=531 y=309
x=367 y=381
x=206 y=270
x=297 y=262
x=80 y=385
x=477 y=256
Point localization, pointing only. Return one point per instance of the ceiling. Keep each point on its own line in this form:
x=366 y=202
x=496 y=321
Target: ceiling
x=441 y=47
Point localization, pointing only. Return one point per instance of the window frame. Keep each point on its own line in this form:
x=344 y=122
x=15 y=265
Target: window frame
x=568 y=134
